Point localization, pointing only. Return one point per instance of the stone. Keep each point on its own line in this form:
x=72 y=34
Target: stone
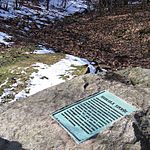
x=10 y=145
x=142 y=128
x=29 y=122
x=138 y=76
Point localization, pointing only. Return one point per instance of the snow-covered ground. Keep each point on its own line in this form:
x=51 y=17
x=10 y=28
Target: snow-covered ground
x=4 y=37
x=134 y=2
x=55 y=9
x=48 y=75
x=43 y=50
x=38 y=14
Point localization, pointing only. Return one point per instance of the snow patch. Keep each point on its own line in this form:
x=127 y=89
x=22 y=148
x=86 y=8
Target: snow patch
x=48 y=76
x=3 y=37
x=56 y=10
x=4 y=83
x=44 y=50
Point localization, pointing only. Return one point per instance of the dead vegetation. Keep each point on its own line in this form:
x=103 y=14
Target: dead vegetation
x=120 y=39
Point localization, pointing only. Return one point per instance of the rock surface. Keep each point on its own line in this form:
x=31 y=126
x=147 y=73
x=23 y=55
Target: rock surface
x=137 y=75
x=10 y=145
x=29 y=121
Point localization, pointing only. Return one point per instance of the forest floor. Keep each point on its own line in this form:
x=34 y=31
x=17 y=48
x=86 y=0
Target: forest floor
x=117 y=41
x=120 y=39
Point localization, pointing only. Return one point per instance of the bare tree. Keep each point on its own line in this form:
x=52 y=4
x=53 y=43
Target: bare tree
x=47 y=4
x=64 y=3
x=16 y=4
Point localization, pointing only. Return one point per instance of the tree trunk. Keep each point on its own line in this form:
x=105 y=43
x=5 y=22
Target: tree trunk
x=16 y=4
x=47 y=7
x=125 y=2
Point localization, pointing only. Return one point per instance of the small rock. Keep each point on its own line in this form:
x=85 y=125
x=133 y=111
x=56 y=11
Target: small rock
x=44 y=77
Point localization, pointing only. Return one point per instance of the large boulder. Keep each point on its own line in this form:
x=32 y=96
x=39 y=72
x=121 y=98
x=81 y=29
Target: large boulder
x=10 y=145
x=29 y=122
x=138 y=76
